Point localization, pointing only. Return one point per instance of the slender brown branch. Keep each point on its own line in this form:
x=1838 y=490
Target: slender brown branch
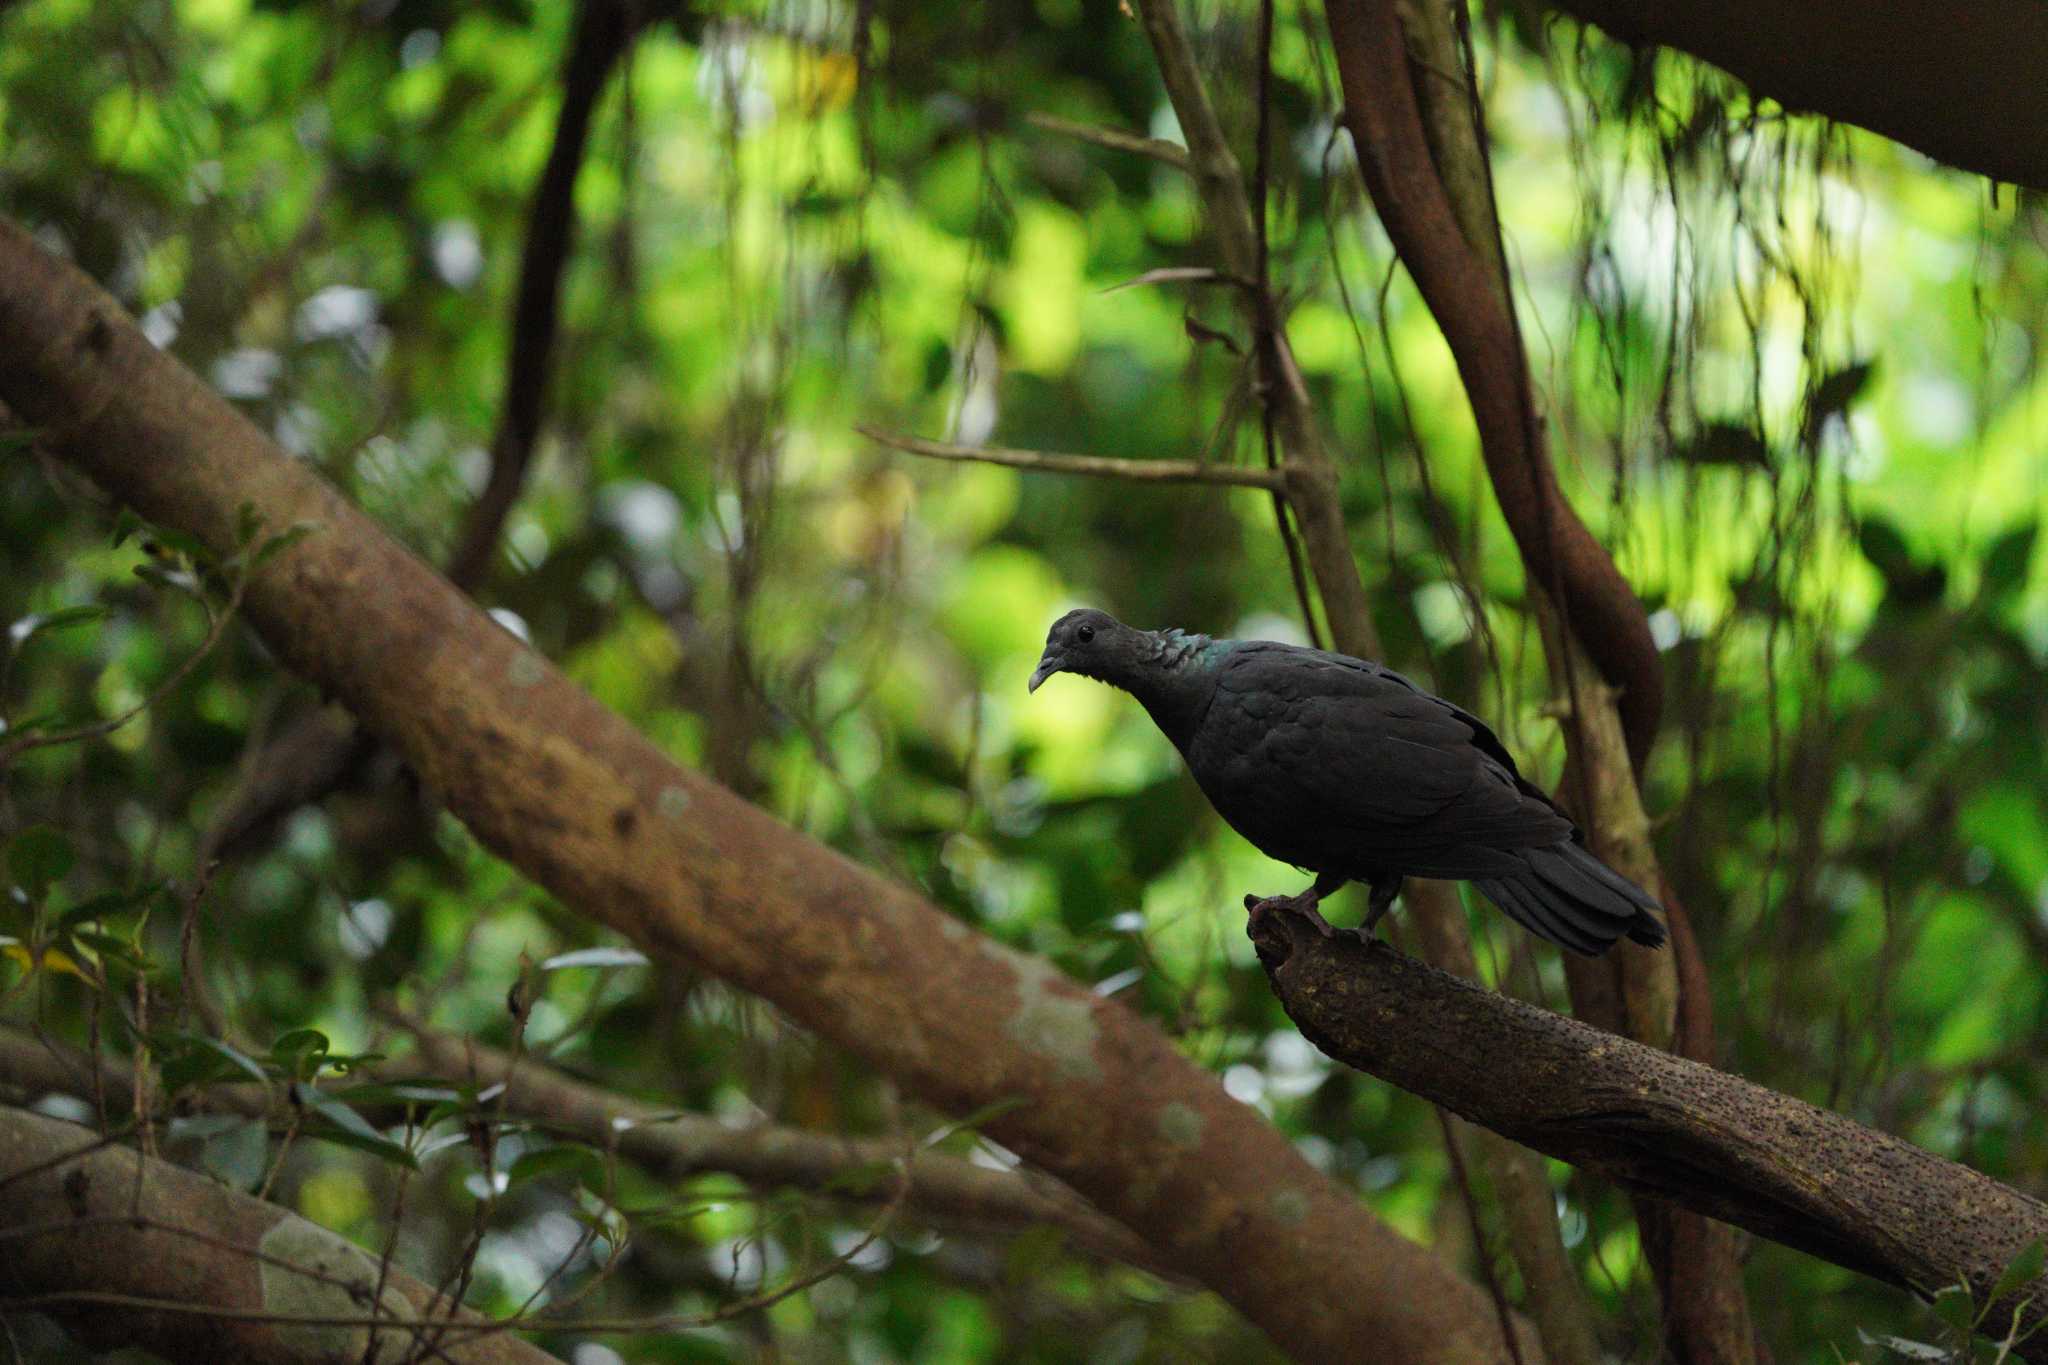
x=1159 y=149
x=1095 y=466
x=943 y=1188
x=1386 y=127
x=1562 y=1316
x=604 y=30
x=1657 y=1123
x=1228 y=210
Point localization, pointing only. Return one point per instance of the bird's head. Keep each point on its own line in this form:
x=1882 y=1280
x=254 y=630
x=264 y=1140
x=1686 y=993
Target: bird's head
x=1092 y=643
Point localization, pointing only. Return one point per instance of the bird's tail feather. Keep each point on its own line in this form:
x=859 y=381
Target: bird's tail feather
x=1576 y=901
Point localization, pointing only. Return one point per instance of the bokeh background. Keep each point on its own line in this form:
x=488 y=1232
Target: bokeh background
x=1791 y=373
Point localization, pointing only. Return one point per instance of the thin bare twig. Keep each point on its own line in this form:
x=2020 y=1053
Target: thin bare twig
x=1159 y=149
x=1099 y=466
x=216 y=626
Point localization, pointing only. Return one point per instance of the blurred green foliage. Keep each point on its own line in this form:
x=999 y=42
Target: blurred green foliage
x=1792 y=376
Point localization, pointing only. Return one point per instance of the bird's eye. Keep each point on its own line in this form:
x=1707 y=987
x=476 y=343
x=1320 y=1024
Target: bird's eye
x=1084 y=633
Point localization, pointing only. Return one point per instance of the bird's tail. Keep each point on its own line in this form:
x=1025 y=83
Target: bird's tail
x=1576 y=901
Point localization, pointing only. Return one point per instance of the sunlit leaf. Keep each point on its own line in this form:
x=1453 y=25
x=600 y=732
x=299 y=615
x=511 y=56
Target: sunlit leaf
x=596 y=957
x=1955 y=1307
x=51 y=959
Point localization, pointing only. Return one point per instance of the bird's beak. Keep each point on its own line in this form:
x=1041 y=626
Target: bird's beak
x=1047 y=666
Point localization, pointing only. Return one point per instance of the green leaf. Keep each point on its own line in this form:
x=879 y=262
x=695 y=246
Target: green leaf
x=581 y=1164
x=159 y=577
x=127 y=525
x=190 y=1059
x=341 y=1124
x=342 y=1063
x=28 y=627
x=112 y=947
x=596 y=957
x=1905 y=577
x=2022 y=1271
x=1833 y=395
x=300 y=1053
x=398 y=1092
x=41 y=720
x=994 y=1109
x=1724 y=443
x=38 y=858
x=2007 y=561
x=1954 y=1306
x=183 y=542
x=279 y=543
x=424 y=1147
x=102 y=906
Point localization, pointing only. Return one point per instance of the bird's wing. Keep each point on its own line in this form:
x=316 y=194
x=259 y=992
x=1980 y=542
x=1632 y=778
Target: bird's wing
x=1344 y=744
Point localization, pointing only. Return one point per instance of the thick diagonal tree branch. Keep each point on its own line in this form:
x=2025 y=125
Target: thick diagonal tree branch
x=1657 y=1123
x=572 y=795
x=128 y=1250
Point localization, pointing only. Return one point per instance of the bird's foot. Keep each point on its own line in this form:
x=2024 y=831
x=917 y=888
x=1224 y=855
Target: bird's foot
x=1304 y=905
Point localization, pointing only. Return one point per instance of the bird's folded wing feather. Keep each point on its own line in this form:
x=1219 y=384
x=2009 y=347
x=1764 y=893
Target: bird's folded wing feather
x=1359 y=747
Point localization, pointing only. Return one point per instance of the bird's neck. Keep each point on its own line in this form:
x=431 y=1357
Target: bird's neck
x=1176 y=687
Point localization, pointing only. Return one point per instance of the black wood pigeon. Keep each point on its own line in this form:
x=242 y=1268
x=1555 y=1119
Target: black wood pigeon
x=1350 y=771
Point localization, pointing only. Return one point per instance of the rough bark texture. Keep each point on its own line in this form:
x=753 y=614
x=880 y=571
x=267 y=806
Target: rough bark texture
x=1654 y=1122
x=121 y=1226
x=572 y=795
x=1960 y=82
